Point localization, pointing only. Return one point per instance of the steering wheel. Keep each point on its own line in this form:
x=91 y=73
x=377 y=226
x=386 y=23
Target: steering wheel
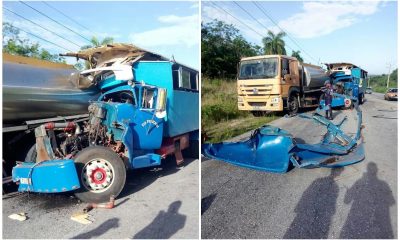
x=126 y=97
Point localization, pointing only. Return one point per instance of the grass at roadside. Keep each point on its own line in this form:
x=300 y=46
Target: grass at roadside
x=220 y=117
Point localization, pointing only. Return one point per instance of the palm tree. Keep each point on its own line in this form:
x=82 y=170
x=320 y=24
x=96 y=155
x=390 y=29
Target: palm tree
x=96 y=43
x=274 y=44
x=296 y=54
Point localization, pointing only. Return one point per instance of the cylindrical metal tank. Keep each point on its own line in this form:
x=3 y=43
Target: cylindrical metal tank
x=34 y=91
x=314 y=76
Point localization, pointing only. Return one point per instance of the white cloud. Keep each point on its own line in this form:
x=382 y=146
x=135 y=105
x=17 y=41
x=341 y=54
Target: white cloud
x=178 y=31
x=195 y=5
x=322 y=18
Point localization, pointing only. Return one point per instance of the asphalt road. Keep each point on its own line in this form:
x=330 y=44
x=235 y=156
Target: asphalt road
x=358 y=201
x=155 y=203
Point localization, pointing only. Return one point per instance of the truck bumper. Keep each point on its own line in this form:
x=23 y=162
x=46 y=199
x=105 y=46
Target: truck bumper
x=46 y=177
x=268 y=103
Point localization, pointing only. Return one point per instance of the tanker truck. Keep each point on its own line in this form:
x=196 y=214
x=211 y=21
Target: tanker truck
x=34 y=92
x=147 y=109
x=277 y=83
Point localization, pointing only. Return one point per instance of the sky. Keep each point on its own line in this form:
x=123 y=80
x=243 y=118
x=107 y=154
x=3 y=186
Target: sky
x=360 y=32
x=168 y=28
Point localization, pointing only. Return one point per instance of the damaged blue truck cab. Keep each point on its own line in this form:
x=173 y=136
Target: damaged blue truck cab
x=147 y=110
x=349 y=82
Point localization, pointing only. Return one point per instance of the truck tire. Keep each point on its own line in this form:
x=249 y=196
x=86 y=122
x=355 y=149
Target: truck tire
x=101 y=173
x=293 y=105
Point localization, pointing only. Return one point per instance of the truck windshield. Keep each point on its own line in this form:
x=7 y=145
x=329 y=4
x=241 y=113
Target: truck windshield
x=260 y=68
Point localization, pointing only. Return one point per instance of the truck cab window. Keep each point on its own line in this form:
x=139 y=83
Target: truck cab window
x=120 y=97
x=148 y=98
x=285 y=66
x=184 y=80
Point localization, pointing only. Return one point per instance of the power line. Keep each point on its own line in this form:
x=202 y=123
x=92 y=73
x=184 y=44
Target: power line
x=261 y=8
x=219 y=8
x=54 y=21
x=55 y=44
x=41 y=26
x=257 y=21
x=76 y=22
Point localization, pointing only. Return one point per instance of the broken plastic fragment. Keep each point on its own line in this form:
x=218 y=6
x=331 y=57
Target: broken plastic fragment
x=18 y=216
x=81 y=217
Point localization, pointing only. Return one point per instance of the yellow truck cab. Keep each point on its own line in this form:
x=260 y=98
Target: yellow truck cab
x=277 y=83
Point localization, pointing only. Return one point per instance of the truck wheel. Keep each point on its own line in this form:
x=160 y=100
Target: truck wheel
x=293 y=105
x=101 y=174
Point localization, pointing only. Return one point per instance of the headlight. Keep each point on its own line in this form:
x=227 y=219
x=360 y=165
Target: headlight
x=275 y=100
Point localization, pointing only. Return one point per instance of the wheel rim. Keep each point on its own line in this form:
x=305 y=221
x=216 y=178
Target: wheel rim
x=97 y=175
x=293 y=106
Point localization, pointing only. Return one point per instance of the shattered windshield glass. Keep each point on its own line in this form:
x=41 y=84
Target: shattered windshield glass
x=260 y=68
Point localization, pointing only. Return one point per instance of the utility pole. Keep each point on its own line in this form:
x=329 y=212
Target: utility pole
x=369 y=78
x=389 y=66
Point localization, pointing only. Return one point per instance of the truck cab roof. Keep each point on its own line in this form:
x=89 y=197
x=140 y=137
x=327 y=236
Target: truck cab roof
x=267 y=56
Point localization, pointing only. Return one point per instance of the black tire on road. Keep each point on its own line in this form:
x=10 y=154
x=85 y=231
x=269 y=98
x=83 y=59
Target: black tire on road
x=100 y=160
x=293 y=105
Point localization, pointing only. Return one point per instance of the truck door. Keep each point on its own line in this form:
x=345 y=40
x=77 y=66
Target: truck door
x=294 y=72
x=148 y=124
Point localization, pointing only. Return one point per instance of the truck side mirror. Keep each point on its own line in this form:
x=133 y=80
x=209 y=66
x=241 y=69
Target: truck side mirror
x=161 y=104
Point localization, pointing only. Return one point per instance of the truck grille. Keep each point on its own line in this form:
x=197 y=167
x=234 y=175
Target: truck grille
x=255 y=90
x=257 y=104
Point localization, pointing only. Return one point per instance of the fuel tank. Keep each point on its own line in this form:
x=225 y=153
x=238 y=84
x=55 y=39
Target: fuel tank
x=35 y=89
x=314 y=76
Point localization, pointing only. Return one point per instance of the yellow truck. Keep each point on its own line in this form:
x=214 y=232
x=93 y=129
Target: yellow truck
x=277 y=83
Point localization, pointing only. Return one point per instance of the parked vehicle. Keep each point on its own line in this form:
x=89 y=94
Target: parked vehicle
x=147 y=110
x=391 y=94
x=278 y=83
x=368 y=90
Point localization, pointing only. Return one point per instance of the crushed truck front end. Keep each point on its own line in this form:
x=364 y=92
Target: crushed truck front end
x=133 y=124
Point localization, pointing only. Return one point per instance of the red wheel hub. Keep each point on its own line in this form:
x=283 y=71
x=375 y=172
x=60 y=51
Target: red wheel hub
x=98 y=176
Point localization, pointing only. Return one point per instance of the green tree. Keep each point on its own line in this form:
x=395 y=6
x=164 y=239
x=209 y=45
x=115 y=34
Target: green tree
x=296 y=54
x=14 y=45
x=274 y=44
x=222 y=47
